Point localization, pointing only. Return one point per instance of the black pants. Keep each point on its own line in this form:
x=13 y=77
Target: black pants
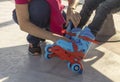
x=102 y=7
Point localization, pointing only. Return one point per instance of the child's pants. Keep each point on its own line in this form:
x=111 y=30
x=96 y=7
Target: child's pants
x=102 y=7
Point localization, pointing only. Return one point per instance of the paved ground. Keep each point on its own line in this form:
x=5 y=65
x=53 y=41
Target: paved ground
x=102 y=63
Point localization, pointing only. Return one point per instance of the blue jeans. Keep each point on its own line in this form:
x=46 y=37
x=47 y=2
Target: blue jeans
x=102 y=7
x=39 y=12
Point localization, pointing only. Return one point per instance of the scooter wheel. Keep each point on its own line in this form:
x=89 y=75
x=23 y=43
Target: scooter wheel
x=47 y=56
x=75 y=68
x=47 y=49
x=69 y=65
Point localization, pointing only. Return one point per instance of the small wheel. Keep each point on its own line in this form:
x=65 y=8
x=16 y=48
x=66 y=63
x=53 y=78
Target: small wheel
x=75 y=68
x=47 y=56
x=47 y=49
x=69 y=65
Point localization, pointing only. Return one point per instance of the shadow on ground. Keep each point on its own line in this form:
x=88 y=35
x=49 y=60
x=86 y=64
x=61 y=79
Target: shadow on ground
x=17 y=66
x=7 y=23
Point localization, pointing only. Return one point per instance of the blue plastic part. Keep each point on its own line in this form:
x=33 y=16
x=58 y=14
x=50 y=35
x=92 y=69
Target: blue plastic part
x=75 y=68
x=87 y=32
x=47 y=52
x=69 y=65
x=65 y=45
x=77 y=32
x=47 y=48
x=80 y=72
x=68 y=45
x=83 y=45
x=47 y=56
x=86 y=44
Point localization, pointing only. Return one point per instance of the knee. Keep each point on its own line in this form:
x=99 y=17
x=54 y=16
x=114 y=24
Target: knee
x=39 y=10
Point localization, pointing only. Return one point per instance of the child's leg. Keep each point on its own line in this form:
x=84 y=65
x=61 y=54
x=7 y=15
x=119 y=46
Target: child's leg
x=102 y=11
x=87 y=10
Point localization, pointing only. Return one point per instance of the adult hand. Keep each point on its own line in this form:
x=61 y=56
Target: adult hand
x=73 y=15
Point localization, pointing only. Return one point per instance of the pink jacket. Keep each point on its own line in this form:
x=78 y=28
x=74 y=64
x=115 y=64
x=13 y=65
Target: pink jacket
x=56 y=18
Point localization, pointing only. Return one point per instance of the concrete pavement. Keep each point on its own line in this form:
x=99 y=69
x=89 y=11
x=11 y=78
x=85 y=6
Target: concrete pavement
x=102 y=63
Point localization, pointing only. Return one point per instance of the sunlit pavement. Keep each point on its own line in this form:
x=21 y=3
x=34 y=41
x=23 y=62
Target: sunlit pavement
x=102 y=63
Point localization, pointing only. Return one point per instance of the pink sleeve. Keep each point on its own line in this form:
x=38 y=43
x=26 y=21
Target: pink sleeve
x=21 y=1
